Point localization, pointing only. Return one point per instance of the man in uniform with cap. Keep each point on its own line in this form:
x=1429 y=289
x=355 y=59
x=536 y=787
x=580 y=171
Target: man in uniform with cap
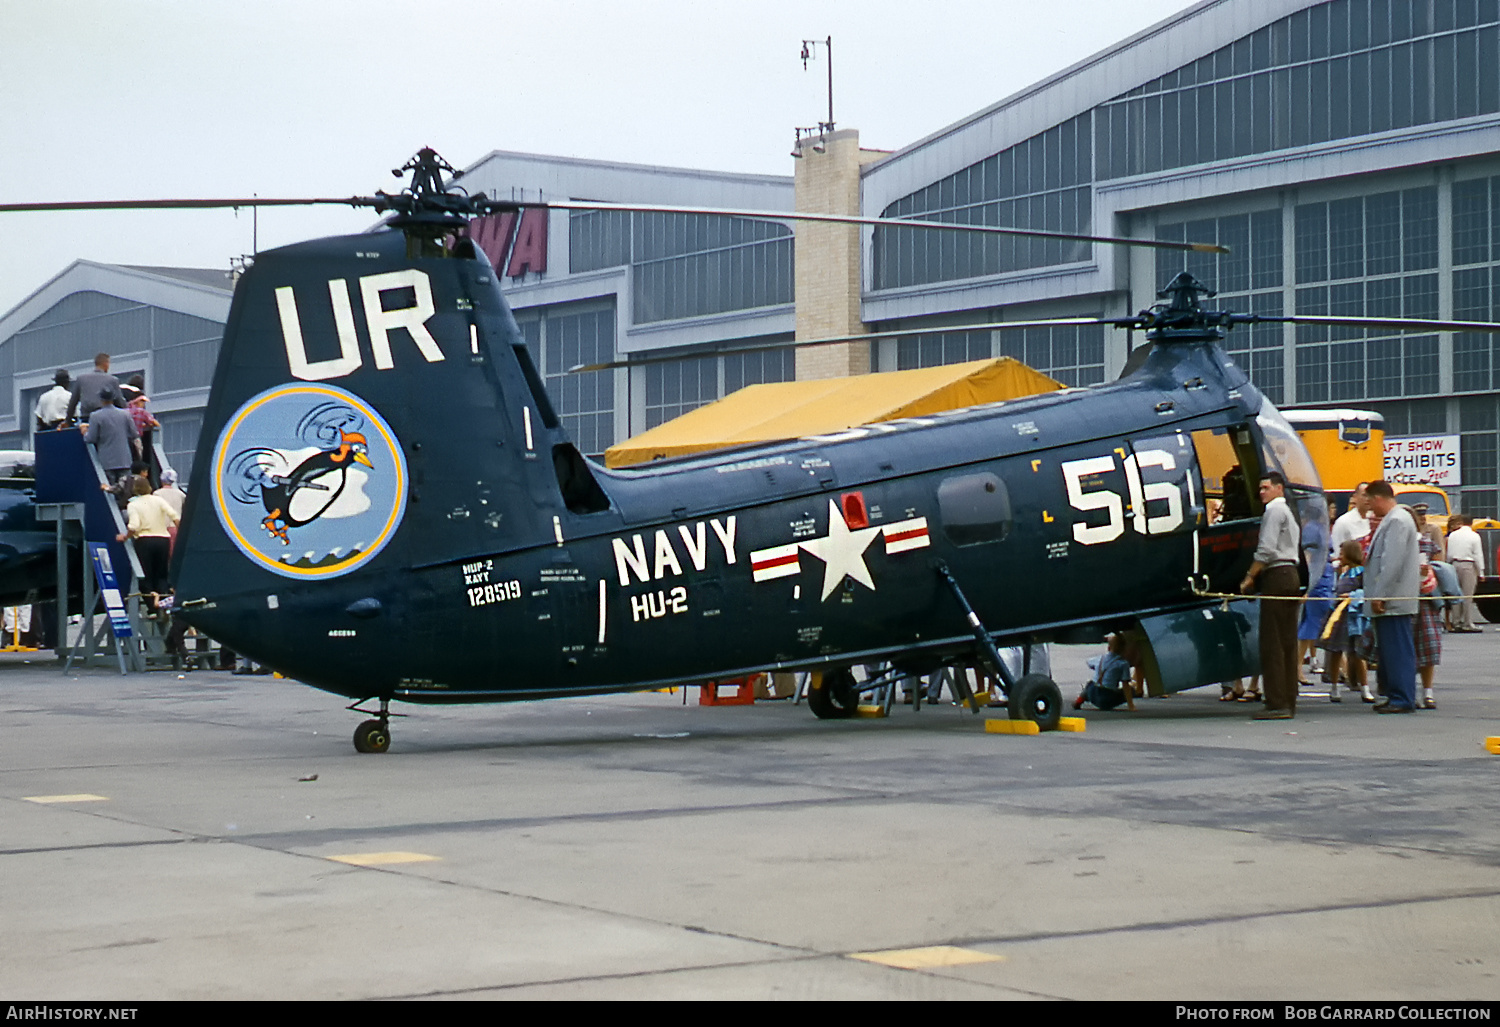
x=1431 y=532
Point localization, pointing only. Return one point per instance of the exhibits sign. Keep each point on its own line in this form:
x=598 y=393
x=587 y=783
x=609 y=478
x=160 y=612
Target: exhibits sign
x=1424 y=460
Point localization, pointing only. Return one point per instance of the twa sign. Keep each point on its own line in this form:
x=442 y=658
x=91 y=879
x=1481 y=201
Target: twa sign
x=515 y=244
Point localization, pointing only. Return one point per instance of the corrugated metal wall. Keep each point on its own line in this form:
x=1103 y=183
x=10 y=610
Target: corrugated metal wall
x=184 y=348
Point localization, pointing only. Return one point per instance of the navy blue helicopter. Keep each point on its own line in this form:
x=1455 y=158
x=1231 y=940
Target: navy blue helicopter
x=385 y=506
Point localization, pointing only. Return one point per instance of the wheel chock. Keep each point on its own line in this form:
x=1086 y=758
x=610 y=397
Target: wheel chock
x=1492 y=743
x=1072 y=724
x=869 y=710
x=716 y=693
x=1006 y=726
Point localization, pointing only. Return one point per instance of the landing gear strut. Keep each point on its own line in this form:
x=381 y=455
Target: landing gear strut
x=1034 y=697
x=374 y=735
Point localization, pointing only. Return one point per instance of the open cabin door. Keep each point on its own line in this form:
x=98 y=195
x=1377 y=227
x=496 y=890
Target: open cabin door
x=1231 y=469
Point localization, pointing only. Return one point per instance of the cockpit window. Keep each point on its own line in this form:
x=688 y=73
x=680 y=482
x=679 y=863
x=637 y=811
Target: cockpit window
x=1284 y=450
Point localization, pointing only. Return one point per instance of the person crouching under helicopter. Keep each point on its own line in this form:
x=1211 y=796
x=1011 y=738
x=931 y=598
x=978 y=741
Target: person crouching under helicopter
x=151 y=520
x=1112 y=683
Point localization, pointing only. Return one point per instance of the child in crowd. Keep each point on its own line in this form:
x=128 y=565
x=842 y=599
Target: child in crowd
x=1348 y=624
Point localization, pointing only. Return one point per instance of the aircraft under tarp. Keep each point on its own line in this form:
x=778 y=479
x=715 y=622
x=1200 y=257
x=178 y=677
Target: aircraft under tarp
x=793 y=410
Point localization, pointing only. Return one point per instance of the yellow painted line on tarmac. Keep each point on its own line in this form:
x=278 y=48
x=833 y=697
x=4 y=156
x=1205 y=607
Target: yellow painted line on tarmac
x=80 y=797
x=382 y=859
x=926 y=958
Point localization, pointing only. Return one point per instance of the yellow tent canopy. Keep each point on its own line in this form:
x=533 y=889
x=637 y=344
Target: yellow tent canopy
x=792 y=410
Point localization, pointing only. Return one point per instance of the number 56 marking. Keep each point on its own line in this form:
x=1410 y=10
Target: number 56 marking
x=1110 y=501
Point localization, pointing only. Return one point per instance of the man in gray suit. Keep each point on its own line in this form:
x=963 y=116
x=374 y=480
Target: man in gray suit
x=1392 y=577
x=94 y=389
x=114 y=437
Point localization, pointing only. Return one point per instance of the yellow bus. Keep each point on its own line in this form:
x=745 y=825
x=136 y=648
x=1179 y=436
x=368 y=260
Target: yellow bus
x=1347 y=447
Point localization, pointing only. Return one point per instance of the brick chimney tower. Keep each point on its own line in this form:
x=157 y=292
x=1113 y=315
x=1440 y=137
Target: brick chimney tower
x=828 y=256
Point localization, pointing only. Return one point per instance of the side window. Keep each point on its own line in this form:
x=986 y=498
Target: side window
x=975 y=509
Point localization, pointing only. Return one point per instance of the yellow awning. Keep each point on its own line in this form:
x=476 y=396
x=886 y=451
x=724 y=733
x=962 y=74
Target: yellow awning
x=792 y=410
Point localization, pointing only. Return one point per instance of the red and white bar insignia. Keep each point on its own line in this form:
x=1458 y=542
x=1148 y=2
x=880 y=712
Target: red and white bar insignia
x=906 y=535
x=776 y=562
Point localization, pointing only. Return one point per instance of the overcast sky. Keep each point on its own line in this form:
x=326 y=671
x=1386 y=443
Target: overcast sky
x=127 y=99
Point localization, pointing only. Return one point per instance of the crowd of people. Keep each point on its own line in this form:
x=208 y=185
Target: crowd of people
x=1393 y=585
x=115 y=419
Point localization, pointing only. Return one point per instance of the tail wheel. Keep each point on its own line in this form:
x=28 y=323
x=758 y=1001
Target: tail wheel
x=372 y=736
x=1036 y=697
x=834 y=695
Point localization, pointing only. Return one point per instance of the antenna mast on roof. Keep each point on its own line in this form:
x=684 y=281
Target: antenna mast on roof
x=825 y=128
x=810 y=53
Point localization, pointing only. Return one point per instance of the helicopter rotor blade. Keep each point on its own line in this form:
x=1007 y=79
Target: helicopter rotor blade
x=1409 y=324
x=480 y=203
x=1115 y=322
x=252 y=201
x=843 y=219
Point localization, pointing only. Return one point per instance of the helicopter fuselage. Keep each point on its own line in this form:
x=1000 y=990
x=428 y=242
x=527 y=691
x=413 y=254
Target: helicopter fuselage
x=491 y=562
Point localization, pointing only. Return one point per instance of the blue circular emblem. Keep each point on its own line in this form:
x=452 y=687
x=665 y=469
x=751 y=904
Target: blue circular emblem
x=309 y=481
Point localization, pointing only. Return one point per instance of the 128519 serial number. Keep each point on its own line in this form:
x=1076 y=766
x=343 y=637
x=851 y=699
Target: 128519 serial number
x=497 y=592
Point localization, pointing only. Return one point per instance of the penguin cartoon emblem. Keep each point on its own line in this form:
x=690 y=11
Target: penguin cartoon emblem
x=315 y=501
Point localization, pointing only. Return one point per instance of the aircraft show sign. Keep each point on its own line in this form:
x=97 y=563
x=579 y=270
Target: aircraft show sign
x=1424 y=460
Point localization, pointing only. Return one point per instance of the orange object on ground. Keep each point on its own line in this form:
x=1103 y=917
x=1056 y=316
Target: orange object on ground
x=744 y=692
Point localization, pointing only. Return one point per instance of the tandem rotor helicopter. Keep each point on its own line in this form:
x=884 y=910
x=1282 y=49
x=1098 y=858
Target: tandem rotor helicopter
x=384 y=504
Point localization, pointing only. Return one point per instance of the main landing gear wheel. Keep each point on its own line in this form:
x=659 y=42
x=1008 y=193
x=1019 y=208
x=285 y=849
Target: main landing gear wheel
x=834 y=697
x=372 y=736
x=1036 y=697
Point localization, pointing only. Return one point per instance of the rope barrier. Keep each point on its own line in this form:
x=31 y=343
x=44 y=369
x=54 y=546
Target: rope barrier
x=1306 y=599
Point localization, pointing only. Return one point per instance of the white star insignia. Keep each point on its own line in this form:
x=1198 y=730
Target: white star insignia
x=842 y=551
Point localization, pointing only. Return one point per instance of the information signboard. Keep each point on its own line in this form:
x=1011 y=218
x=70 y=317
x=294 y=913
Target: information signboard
x=109 y=589
x=1424 y=460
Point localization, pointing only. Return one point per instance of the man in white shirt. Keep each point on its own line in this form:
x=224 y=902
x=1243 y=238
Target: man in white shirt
x=1466 y=554
x=1353 y=523
x=52 y=407
x=1274 y=571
